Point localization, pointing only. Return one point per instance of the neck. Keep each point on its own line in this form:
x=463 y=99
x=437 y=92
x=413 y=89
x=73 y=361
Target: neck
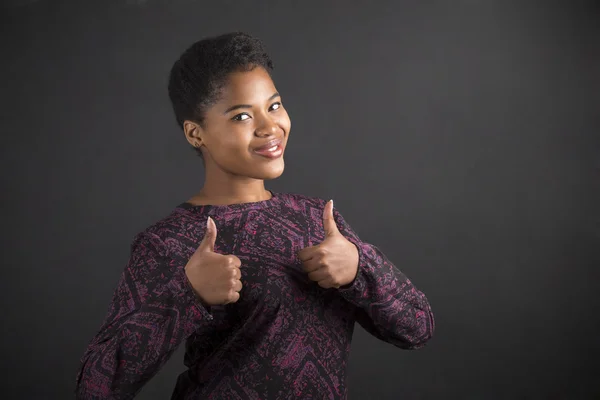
x=218 y=191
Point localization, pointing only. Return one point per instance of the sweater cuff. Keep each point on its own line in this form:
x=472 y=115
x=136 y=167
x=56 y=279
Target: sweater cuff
x=183 y=290
x=354 y=289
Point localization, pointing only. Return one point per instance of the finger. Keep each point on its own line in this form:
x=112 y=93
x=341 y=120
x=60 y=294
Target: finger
x=210 y=237
x=328 y=221
x=237 y=286
x=233 y=261
x=319 y=275
x=233 y=298
x=307 y=253
x=327 y=283
x=311 y=265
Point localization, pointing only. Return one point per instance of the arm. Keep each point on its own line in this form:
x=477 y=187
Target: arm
x=388 y=305
x=152 y=311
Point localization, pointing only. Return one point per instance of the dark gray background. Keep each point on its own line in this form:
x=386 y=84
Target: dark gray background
x=462 y=138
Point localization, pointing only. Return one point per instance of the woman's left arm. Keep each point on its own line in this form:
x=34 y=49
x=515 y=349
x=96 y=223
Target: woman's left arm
x=388 y=305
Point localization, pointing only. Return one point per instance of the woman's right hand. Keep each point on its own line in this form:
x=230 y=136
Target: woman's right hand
x=214 y=277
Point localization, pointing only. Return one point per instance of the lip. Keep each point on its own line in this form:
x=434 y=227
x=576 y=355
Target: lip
x=263 y=151
x=268 y=145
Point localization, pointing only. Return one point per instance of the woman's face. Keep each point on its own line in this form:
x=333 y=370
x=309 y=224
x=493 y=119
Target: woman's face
x=248 y=117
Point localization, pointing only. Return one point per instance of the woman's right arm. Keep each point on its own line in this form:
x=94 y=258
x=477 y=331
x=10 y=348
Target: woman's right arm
x=153 y=310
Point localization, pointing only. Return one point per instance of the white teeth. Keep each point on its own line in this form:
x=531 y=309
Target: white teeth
x=272 y=148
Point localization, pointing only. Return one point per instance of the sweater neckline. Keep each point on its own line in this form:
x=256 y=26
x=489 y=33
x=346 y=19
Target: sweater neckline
x=215 y=210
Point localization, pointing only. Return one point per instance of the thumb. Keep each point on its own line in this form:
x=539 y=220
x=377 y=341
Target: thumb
x=328 y=222
x=210 y=237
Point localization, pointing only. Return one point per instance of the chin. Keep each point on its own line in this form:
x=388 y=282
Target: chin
x=268 y=172
x=273 y=174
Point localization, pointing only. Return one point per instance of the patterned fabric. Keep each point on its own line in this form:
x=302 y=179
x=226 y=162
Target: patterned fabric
x=286 y=338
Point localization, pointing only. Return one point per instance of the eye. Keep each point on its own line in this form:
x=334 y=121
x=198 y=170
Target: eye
x=275 y=106
x=241 y=117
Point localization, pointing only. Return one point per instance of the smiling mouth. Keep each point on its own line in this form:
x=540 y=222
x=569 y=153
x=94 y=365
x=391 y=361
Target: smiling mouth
x=273 y=152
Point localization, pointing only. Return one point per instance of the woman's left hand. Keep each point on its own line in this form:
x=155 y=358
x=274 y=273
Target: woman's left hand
x=333 y=262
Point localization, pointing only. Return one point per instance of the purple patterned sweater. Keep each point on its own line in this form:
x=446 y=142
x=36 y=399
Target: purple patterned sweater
x=286 y=337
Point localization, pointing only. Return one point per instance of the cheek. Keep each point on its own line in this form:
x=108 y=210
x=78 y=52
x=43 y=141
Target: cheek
x=285 y=122
x=228 y=144
x=233 y=149
x=236 y=141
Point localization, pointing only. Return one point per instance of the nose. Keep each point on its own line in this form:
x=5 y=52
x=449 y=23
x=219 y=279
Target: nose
x=267 y=127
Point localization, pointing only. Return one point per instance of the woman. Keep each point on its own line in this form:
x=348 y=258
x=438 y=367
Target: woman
x=264 y=288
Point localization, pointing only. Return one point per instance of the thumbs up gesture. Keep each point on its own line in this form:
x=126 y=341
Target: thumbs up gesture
x=214 y=277
x=333 y=262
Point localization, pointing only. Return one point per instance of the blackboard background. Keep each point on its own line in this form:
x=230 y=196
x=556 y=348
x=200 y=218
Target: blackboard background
x=462 y=138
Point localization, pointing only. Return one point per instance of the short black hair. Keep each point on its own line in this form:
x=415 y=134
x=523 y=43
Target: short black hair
x=198 y=76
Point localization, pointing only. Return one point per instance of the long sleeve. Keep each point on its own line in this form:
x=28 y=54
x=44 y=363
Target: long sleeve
x=153 y=310
x=388 y=305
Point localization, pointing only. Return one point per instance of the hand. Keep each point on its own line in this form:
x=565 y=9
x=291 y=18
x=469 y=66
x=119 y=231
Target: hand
x=334 y=262
x=214 y=277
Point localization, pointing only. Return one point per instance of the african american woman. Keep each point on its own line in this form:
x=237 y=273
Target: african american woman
x=263 y=288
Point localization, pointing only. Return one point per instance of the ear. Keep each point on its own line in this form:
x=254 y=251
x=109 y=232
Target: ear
x=193 y=133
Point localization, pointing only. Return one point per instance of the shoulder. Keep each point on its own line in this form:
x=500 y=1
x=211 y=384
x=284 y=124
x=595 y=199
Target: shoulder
x=303 y=202
x=171 y=227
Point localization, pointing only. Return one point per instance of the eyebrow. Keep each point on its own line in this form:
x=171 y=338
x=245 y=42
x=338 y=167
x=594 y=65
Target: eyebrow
x=276 y=94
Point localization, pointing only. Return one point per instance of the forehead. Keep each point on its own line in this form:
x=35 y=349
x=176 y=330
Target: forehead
x=248 y=87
